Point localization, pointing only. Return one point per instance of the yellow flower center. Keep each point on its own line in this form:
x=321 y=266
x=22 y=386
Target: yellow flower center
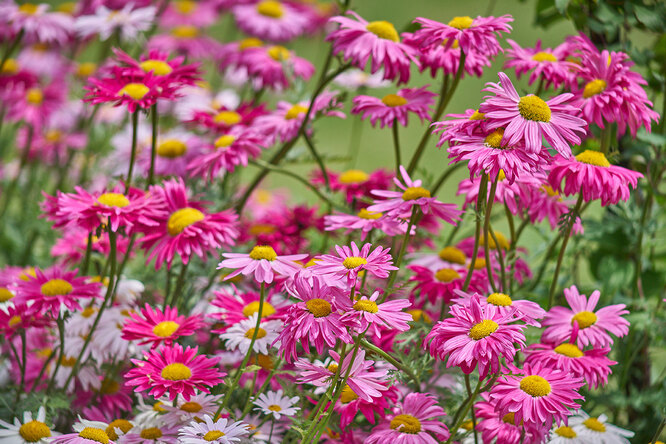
x=483 y=329
x=224 y=141
x=594 y=424
x=585 y=319
x=136 y=91
x=86 y=69
x=591 y=157
x=596 y=86
x=406 y=424
x=332 y=367
x=569 y=350
x=264 y=361
x=191 y=407
x=353 y=177
x=157 y=407
x=56 y=287
x=213 y=435
x=122 y=424
x=151 y=433
x=251 y=42
x=158 y=67
x=453 y=255
x=34 y=431
x=534 y=108
x=352 y=262
x=10 y=67
x=413 y=193
x=185 y=6
x=454 y=45
x=383 y=30
x=261 y=333
x=543 y=56
x=467 y=425
x=566 y=432
x=394 y=100
x=500 y=299
x=253 y=307
x=28 y=8
x=183 y=218
x=461 y=23
x=295 y=111
x=171 y=148
x=263 y=252
x=113 y=200
x=278 y=53
x=446 y=275
x=258 y=229
x=418 y=315
x=509 y=418
x=365 y=214
x=229 y=118
x=185 y=32
x=549 y=191
x=477 y=116
x=165 y=329
x=5 y=294
x=34 y=96
x=176 y=372
x=109 y=387
x=94 y=434
x=366 y=305
x=14 y=321
x=494 y=139
x=53 y=136
x=68 y=361
x=270 y=8
x=27 y=273
x=535 y=386
x=318 y=307
x=503 y=242
x=348 y=395
x=274 y=408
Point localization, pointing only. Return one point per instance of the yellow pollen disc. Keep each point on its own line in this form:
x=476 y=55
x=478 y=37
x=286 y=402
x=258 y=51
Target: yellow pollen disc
x=594 y=424
x=94 y=434
x=158 y=407
x=500 y=299
x=366 y=305
x=224 y=141
x=53 y=136
x=413 y=193
x=171 y=148
x=113 y=200
x=332 y=367
x=596 y=158
x=151 y=433
x=165 y=329
x=263 y=252
x=352 y=262
x=122 y=424
x=501 y=175
x=261 y=333
x=28 y=8
x=34 y=431
x=183 y=218
x=278 y=53
x=253 y=307
x=483 y=329
x=9 y=67
x=461 y=22
x=158 y=67
x=509 y=418
x=86 y=69
x=56 y=287
x=176 y=372
x=258 y=229
x=14 y=321
x=251 y=42
x=44 y=352
x=453 y=255
x=549 y=191
x=534 y=108
x=27 y=273
x=569 y=350
x=418 y=315
x=394 y=100
x=318 y=307
x=136 y=91
x=353 y=177
x=543 y=56
x=191 y=407
x=454 y=45
x=295 y=111
x=446 y=275
x=383 y=30
x=477 y=116
x=109 y=387
x=566 y=432
x=229 y=118
x=406 y=424
x=371 y=215
x=467 y=425
x=264 y=362
x=185 y=6
x=594 y=87
x=213 y=435
x=494 y=139
x=585 y=319
x=5 y=294
x=35 y=96
x=503 y=242
x=348 y=395
x=185 y=32
x=535 y=386
x=68 y=361
x=274 y=408
x=270 y=8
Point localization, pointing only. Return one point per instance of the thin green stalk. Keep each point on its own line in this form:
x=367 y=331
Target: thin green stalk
x=647 y=205
x=153 y=144
x=486 y=232
x=179 y=284
x=319 y=160
x=469 y=402
x=403 y=247
x=22 y=366
x=500 y=259
x=61 y=334
x=8 y=193
x=544 y=262
x=606 y=135
x=43 y=369
x=135 y=124
x=469 y=393
x=264 y=386
x=657 y=434
x=86 y=258
x=393 y=361
x=483 y=186
x=396 y=146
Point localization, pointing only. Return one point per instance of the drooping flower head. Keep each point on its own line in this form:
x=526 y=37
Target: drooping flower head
x=395 y=108
x=439 y=284
x=154 y=326
x=274 y=67
x=262 y=262
x=365 y=221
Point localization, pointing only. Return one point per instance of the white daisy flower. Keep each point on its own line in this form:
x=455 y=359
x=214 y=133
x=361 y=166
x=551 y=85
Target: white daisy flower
x=273 y=403
x=598 y=429
x=356 y=78
x=30 y=431
x=186 y=412
x=260 y=431
x=218 y=432
x=567 y=435
x=128 y=290
x=239 y=336
x=105 y=22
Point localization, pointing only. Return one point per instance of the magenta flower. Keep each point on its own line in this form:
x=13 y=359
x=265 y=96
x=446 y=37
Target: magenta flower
x=358 y=39
x=536 y=394
x=366 y=221
x=174 y=150
x=175 y=371
x=588 y=326
x=475 y=334
x=526 y=311
x=38 y=24
x=529 y=118
x=440 y=284
x=275 y=67
x=190 y=13
x=399 y=204
x=154 y=326
x=350 y=404
x=137 y=91
x=550 y=65
x=271 y=20
x=591 y=174
x=263 y=262
x=395 y=107
x=350 y=261
x=368 y=313
x=355 y=184
x=446 y=58
x=172 y=73
x=235 y=306
x=413 y=422
x=542 y=202
x=471 y=123
x=187 y=40
x=34 y=103
x=492 y=425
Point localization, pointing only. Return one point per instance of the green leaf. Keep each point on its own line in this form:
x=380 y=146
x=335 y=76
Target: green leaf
x=562 y=5
x=651 y=18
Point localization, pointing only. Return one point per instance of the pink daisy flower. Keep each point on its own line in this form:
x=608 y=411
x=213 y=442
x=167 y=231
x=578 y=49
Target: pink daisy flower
x=491 y=425
x=168 y=72
x=222 y=118
x=550 y=65
x=542 y=202
x=358 y=39
x=475 y=334
x=529 y=118
x=175 y=371
x=366 y=221
x=184 y=227
x=536 y=394
x=262 y=262
x=591 y=174
x=355 y=184
x=526 y=311
x=399 y=204
x=132 y=91
x=275 y=67
x=34 y=103
x=351 y=260
x=155 y=326
x=16 y=316
x=190 y=13
x=271 y=20
x=36 y=22
x=440 y=284
x=350 y=404
x=52 y=289
x=315 y=320
x=174 y=150
x=236 y=306
x=471 y=123
x=395 y=107
x=151 y=434
x=593 y=326
x=186 y=40
x=414 y=421
x=368 y=313
x=87 y=435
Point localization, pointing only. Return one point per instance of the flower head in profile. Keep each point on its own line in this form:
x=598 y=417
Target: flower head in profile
x=29 y=431
x=550 y=65
x=189 y=12
x=187 y=40
x=155 y=326
x=234 y=305
x=395 y=108
x=262 y=262
x=527 y=311
x=222 y=431
x=272 y=20
x=87 y=435
x=470 y=123
x=351 y=260
x=276 y=405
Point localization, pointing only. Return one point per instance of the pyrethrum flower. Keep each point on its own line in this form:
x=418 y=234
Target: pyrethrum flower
x=351 y=260
x=263 y=262
x=366 y=312
x=36 y=22
x=221 y=431
x=550 y=65
x=239 y=336
x=128 y=22
x=154 y=326
x=598 y=429
x=395 y=107
x=527 y=311
x=87 y=435
x=271 y=20
x=275 y=67
x=273 y=403
x=137 y=91
x=366 y=221
x=30 y=431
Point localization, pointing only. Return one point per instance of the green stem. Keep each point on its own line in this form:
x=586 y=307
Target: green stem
x=486 y=232
x=153 y=144
x=22 y=366
x=319 y=160
x=396 y=146
x=264 y=386
x=655 y=438
x=483 y=186
x=9 y=192
x=86 y=258
x=393 y=361
x=469 y=393
x=61 y=354
x=500 y=259
x=606 y=135
x=135 y=124
x=403 y=247
x=468 y=403
x=179 y=284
